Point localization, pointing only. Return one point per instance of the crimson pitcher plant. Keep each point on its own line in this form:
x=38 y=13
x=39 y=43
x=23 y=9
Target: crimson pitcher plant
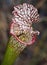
x=21 y=30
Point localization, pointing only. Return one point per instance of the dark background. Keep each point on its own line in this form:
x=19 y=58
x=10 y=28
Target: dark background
x=35 y=54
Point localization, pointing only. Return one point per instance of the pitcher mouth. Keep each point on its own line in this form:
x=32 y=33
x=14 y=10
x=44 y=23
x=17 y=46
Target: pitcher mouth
x=26 y=39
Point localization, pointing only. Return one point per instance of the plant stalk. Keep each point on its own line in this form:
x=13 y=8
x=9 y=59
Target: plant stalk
x=13 y=50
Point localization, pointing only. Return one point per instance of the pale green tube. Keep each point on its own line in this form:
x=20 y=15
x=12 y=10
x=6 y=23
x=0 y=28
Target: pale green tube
x=13 y=50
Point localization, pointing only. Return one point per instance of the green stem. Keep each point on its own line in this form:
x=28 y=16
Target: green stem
x=13 y=50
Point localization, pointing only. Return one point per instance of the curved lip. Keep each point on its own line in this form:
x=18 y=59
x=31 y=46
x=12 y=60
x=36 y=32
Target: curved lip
x=17 y=38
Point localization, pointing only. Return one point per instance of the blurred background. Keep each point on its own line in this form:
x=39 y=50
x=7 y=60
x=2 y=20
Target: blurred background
x=35 y=54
